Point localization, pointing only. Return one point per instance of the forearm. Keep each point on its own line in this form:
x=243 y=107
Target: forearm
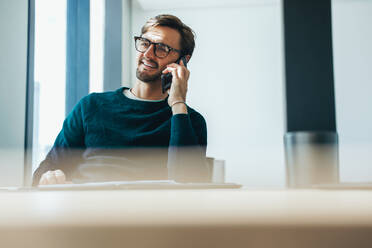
x=182 y=132
x=59 y=158
x=187 y=164
x=186 y=153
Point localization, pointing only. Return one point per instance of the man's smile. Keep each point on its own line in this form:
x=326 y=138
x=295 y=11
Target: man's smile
x=149 y=65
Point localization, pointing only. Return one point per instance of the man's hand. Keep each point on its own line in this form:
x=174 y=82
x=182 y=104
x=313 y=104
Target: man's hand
x=53 y=177
x=178 y=89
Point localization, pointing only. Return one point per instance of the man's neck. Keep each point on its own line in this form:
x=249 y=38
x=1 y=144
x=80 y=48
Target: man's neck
x=149 y=91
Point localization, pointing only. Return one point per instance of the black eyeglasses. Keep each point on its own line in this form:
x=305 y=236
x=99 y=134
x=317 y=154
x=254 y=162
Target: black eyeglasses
x=160 y=50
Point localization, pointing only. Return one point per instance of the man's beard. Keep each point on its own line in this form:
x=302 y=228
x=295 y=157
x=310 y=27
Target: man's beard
x=144 y=77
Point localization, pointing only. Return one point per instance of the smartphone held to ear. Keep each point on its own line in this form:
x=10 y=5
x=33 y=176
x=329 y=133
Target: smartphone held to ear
x=166 y=79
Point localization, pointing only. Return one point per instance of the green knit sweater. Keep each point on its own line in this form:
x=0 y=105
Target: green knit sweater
x=139 y=139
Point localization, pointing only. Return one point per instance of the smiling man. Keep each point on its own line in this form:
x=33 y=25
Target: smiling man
x=136 y=133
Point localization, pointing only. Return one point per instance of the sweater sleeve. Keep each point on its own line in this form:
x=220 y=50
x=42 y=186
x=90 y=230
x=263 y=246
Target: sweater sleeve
x=67 y=148
x=187 y=148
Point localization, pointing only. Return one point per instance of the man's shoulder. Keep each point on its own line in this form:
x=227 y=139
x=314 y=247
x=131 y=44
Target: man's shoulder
x=100 y=97
x=103 y=95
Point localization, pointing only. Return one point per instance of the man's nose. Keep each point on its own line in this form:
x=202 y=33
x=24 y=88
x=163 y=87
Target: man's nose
x=150 y=52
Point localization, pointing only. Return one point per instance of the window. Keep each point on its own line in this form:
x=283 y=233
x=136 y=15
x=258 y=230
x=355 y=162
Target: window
x=56 y=55
x=49 y=75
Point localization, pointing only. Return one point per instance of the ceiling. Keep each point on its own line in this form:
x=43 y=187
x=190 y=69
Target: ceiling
x=187 y=4
x=182 y=4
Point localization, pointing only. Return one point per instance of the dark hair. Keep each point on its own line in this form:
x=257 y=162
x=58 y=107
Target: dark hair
x=187 y=34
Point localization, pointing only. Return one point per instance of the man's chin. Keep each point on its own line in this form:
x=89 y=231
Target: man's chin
x=148 y=78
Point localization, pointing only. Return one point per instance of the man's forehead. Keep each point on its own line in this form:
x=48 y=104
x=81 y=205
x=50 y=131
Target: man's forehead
x=165 y=35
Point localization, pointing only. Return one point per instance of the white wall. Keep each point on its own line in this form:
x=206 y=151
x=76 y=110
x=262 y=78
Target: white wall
x=236 y=82
x=240 y=91
x=13 y=65
x=352 y=45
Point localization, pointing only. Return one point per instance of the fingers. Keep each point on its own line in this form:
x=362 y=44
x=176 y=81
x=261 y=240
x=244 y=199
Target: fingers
x=53 y=177
x=169 y=69
x=180 y=71
x=43 y=180
x=181 y=62
x=174 y=73
x=60 y=176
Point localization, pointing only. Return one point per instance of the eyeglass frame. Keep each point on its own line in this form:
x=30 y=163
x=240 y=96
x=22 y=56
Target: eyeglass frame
x=155 y=43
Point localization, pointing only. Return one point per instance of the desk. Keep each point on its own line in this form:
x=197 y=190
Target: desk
x=187 y=218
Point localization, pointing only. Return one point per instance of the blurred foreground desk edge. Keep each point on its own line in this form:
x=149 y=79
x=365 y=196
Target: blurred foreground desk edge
x=187 y=218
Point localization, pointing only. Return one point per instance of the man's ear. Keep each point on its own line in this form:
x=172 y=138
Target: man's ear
x=188 y=57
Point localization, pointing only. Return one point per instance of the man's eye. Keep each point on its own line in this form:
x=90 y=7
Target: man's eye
x=145 y=44
x=162 y=48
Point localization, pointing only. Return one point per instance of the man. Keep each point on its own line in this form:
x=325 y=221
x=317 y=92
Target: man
x=137 y=133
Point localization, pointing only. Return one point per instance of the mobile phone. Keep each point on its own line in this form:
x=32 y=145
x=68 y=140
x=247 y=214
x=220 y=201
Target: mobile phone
x=166 y=79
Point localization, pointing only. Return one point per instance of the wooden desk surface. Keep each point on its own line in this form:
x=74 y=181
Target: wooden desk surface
x=187 y=218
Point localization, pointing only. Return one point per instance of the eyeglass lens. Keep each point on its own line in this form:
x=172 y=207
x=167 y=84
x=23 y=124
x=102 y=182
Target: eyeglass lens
x=161 y=50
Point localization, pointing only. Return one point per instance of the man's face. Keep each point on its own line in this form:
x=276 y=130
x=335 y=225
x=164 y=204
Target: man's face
x=150 y=67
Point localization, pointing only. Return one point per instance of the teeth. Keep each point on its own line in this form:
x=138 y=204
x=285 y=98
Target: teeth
x=148 y=65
